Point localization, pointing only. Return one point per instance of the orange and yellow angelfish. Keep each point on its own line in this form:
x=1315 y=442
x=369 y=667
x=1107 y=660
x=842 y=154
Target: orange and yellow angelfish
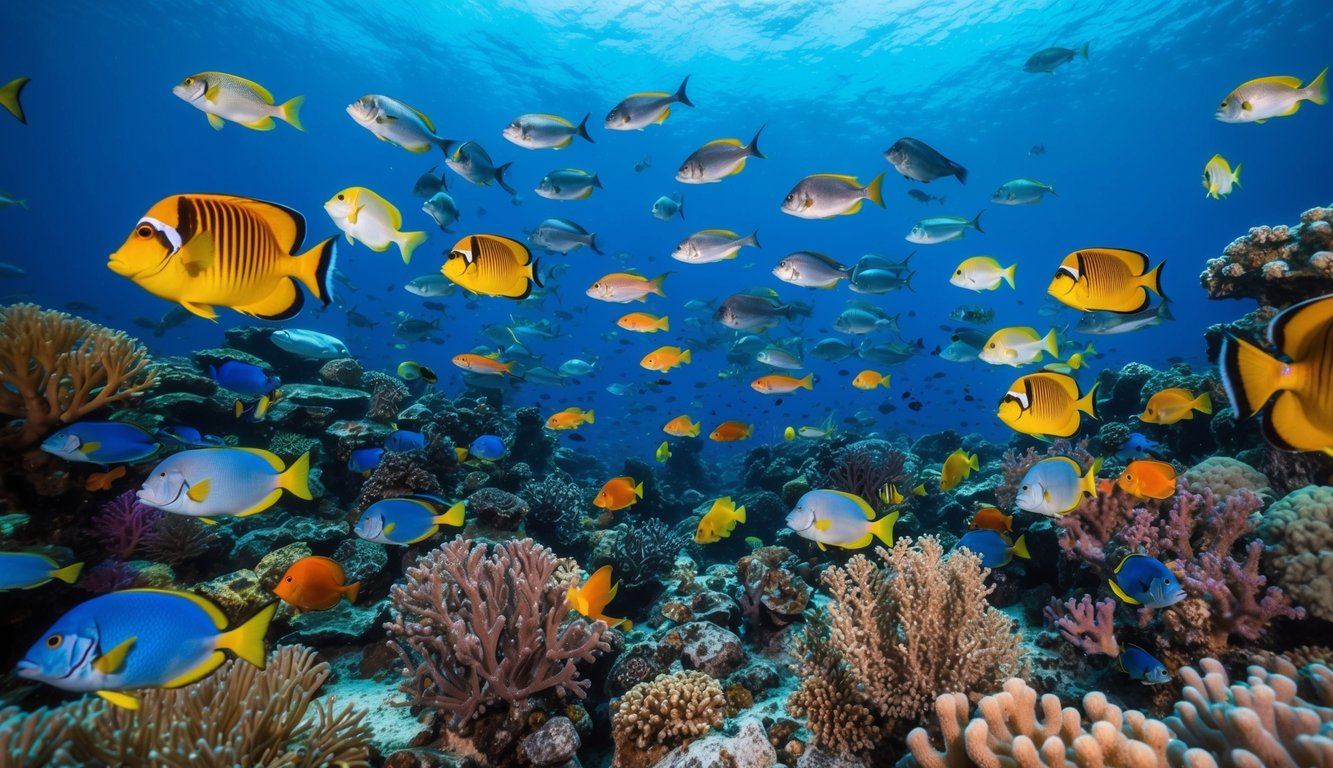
x=570 y=418
x=618 y=493
x=593 y=597
x=681 y=426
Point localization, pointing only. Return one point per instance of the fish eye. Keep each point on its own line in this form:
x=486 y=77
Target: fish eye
x=54 y=641
x=145 y=231
x=161 y=474
x=990 y=345
x=340 y=197
x=1024 y=488
x=289 y=579
x=190 y=81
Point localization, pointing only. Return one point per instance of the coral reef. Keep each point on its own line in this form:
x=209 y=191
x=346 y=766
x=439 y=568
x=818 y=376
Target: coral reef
x=122 y=524
x=644 y=553
x=398 y=474
x=655 y=716
x=1085 y=624
x=1298 y=530
x=1279 y=265
x=862 y=468
x=1223 y=475
x=555 y=506
x=387 y=395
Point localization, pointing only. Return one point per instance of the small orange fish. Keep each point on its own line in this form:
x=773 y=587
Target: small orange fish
x=731 y=431
x=1149 y=479
x=624 y=287
x=618 y=493
x=642 y=322
x=869 y=379
x=1105 y=486
x=991 y=519
x=488 y=365
x=777 y=384
x=570 y=418
x=592 y=598
x=101 y=481
x=1172 y=405
x=681 y=426
x=664 y=359
x=315 y=584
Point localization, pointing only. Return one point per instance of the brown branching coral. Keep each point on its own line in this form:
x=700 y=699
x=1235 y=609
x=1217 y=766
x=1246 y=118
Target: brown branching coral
x=864 y=467
x=56 y=369
x=903 y=634
x=655 y=716
x=240 y=715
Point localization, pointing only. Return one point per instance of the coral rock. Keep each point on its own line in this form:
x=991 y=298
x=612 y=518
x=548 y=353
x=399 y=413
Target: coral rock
x=555 y=742
x=496 y=509
x=711 y=649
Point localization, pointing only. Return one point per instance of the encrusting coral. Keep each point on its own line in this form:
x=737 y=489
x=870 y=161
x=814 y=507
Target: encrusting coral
x=56 y=369
x=1298 y=530
x=660 y=714
x=1278 y=265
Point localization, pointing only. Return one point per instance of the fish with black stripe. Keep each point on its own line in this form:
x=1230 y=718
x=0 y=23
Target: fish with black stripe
x=493 y=266
x=1046 y=405
x=224 y=250
x=1106 y=280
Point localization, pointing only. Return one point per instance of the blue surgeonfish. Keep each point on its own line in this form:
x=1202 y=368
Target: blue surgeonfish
x=407 y=520
x=141 y=638
x=405 y=440
x=1142 y=666
x=26 y=570
x=829 y=517
x=101 y=442
x=1141 y=580
x=244 y=378
x=486 y=447
x=365 y=460
x=223 y=482
x=994 y=548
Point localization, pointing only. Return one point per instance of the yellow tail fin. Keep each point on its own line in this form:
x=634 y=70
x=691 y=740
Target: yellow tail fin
x=409 y=242
x=1203 y=403
x=587 y=416
x=247 y=640
x=314 y=269
x=1051 y=343
x=808 y=382
x=1008 y=274
x=686 y=357
x=297 y=477
x=69 y=574
x=454 y=517
x=1088 y=403
x=291 y=112
x=9 y=98
x=883 y=528
x=663 y=324
x=739 y=512
x=1316 y=91
x=875 y=191
x=1020 y=547
x=1153 y=282
x=1250 y=375
x=656 y=284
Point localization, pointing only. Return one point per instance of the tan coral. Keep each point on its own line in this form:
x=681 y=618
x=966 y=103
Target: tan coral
x=56 y=369
x=1298 y=530
x=1224 y=475
x=656 y=716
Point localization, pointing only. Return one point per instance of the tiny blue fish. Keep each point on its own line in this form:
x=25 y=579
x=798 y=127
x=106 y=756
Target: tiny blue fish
x=1141 y=580
x=993 y=548
x=1138 y=447
x=365 y=460
x=141 y=638
x=488 y=447
x=407 y=520
x=405 y=440
x=1142 y=666
x=26 y=570
x=244 y=378
x=101 y=442
x=189 y=437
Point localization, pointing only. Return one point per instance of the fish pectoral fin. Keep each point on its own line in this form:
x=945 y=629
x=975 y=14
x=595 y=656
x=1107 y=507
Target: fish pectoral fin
x=199 y=491
x=114 y=660
x=122 y=700
x=382 y=119
x=665 y=114
x=88 y=448
x=823 y=525
x=822 y=548
x=215 y=121
x=388 y=529
x=211 y=93
x=355 y=214
x=264 y=124
x=198 y=255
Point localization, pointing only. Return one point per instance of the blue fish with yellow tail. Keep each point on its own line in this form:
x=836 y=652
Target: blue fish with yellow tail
x=27 y=570
x=407 y=519
x=223 y=482
x=1141 y=580
x=994 y=548
x=829 y=517
x=101 y=442
x=141 y=638
x=1143 y=666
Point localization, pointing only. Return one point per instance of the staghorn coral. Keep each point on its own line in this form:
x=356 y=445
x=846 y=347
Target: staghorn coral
x=1087 y=625
x=1278 y=266
x=36 y=739
x=656 y=716
x=387 y=395
x=1298 y=530
x=399 y=474
x=481 y=629
x=902 y=634
x=237 y=716
x=56 y=369
x=122 y=524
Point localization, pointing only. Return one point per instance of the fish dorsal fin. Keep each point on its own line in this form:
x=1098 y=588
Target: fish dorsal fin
x=426 y=120
x=1135 y=261
x=256 y=87
x=648 y=95
x=271 y=458
x=719 y=233
x=1120 y=593
x=861 y=504
x=556 y=118
x=728 y=142
x=114 y=660
x=1287 y=80
x=1297 y=329
x=840 y=177
x=199 y=491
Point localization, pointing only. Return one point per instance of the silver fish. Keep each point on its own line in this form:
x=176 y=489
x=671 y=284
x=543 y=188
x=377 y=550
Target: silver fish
x=859 y=320
x=1111 y=323
x=395 y=122
x=545 y=131
x=430 y=286
x=442 y=208
x=709 y=245
x=832 y=350
x=718 y=159
x=568 y=184
x=471 y=161
x=889 y=353
x=639 y=110
x=779 y=358
x=938 y=229
x=1021 y=192
x=428 y=184
x=810 y=269
x=748 y=311
x=562 y=236
x=667 y=206
x=918 y=161
x=825 y=195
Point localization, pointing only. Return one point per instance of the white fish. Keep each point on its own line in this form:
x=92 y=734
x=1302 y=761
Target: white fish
x=430 y=286
x=539 y=131
x=779 y=358
x=398 y=124
x=363 y=215
x=709 y=245
x=938 y=229
x=1019 y=346
x=810 y=269
x=1218 y=177
x=319 y=346
x=1258 y=100
x=227 y=97
x=576 y=367
x=825 y=195
x=717 y=160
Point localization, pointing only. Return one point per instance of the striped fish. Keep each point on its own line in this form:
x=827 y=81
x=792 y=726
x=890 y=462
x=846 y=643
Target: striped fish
x=493 y=266
x=1046 y=405
x=1106 y=280
x=222 y=250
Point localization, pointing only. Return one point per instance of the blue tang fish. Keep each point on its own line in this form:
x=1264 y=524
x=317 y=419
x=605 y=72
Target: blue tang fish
x=405 y=440
x=189 y=437
x=26 y=570
x=244 y=378
x=840 y=519
x=101 y=442
x=1141 y=580
x=1138 y=446
x=407 y=520
x=488 y=448
x=141 y=638
x=221 y=482
x=256 y=411
x=1141 y=665
x=365 y=460
x=993 y=548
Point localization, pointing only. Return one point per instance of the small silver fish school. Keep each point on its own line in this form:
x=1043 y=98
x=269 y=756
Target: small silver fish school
x=640 y=110
x=407 y=520
x=29 y=570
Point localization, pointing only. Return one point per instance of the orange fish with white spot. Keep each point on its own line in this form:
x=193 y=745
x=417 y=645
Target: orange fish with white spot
x=486 y=365
x=315 y=584
x=664 y=359
x=731 y=431
x=618 y=493
x=592 y=598
x=869 y=379
x=1148 y=479
x=570 y=418
x=777 y=384
x=681 y=426
x=642 y=322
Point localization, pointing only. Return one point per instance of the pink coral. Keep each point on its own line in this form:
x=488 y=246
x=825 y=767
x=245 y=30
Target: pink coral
x=1086 y=624
x=122 y=524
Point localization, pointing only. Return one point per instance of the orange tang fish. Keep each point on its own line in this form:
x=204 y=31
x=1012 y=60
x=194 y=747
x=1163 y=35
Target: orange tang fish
x=315 y=584
x=618 y=493
x=223 y=250
x=731 y=431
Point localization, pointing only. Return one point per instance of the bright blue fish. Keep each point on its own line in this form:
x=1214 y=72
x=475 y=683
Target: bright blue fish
x=487 y=447
x=244 y=378
x=405 y=440
x=189 y=437
x=101 y=442
x=141 y=638
x=1141 y=580
x=25 y=570
x=407 y=520
x=993 y=548
x=364 y=460
x=1138 y=447
x=1142 y=666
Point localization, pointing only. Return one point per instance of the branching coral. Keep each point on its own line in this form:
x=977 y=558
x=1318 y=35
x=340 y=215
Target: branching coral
x=56 y=369
x=478 y=628
x=122 y=524
x=903 y=635
x=655 y=716
x=1088 y=625
x=864 y=467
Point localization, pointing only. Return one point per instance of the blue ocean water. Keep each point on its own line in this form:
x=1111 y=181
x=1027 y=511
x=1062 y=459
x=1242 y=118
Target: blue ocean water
x=1126 y=135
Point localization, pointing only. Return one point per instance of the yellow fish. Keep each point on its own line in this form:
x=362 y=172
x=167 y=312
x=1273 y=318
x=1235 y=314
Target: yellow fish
x=492 y=266
x=663 y=452
x=1046 y=405
x=982 y=273
x=869 y=379
x=720 y=521
x=570 y=418
x=664 y=359
x=1301 y=418
x=1172 y=405
x=363 y=215
x=227 y=97
x=957 y=467
x=1218 y=177
x=1106 y=280
x=223 y=250
x=1258 y=100
x=1019 y=346
x=681 y=426
x=9 y=98
x=592 y=598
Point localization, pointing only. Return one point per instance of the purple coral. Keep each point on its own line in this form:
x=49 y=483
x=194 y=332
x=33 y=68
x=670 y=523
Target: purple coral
x=123 y=523
x=1086 y=624
x=863 y=468
x=387 y=395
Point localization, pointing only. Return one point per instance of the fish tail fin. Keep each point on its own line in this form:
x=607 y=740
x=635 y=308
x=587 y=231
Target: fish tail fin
x=69 y=574
x=1088 y=484
x=351 y=591
x=752 y=149
x=1088 y=403
x=1083 y=50
x=883 y=528
x=875 y=190
x=597 y=181
x=1250 y=375
x=247 y=640
x=959 y=173
x=1153 y=280
x=587 y=416
x=739 y=514
x=752 y=240
x=808 y=382
x=680 y=206
x=409 y=242
x=908 y=282
x=1317 y=90
x=9 y=98
x=638 y=490
x=680 y=93
x=884 y=380
x=686 y=357
x=1235 y=174
x=592 y=243
x=445 y=145
x=1020 y=548
x=663 y=323
x=582 y=130
x=500 y=179
x=976 y=221
x=453 y=517
x=296 y=478
x=974 y=462
x=1203 y=403
x=290 y=111
x=656 y=284
x=1051 y=343
x=315 y=269
x=1008 y=274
